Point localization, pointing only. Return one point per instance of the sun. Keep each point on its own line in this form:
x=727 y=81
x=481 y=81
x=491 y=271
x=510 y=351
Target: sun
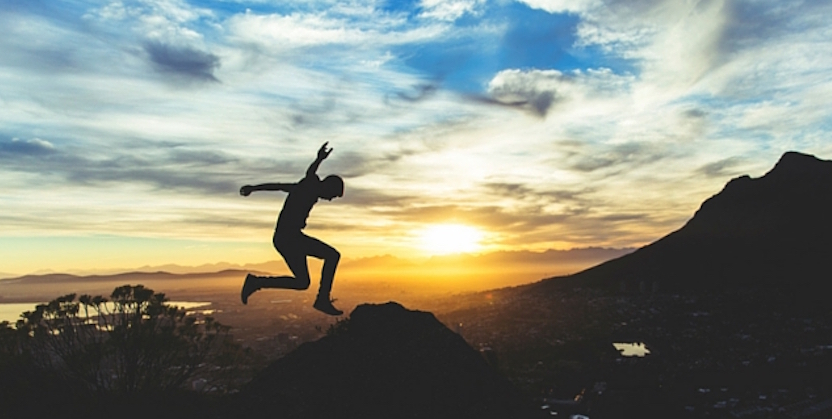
x=444 y=239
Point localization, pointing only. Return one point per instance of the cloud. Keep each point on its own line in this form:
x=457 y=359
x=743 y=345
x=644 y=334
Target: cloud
x=165 y=178
x=294 y=30
x=31 y=147
x=189 y=157
x=529 y=226
x=447 y=10
x=521 y=192
x=193 y=172
x=722 y=169
x=369 y=198
x=539 y=91
x=619 y=158
x=749 y=24
x=37 y=36
x=183 y=61
x=422 y=91
x=517 y=210
x=279 y=33
x=488 y=216
x=514 y=189
x=156 y=20
x=711 y=44
x=561 y=6
x=694 y=113
x=536 y=91
x=213 y=220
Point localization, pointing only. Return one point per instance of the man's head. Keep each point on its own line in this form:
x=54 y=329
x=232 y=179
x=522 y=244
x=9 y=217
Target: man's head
x=332 y=186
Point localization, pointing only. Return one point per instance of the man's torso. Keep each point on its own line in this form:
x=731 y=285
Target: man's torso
x=298 y=204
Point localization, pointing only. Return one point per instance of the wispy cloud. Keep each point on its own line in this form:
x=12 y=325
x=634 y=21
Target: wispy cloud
x=541 y=90
x=196 y=172
x=16 y=147
x=723 y=169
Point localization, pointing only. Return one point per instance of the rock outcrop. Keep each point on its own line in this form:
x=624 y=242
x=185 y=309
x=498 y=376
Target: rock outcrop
x=384 y=361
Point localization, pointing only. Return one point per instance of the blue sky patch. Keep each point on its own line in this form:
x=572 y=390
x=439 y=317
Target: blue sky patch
x=529 y=39
x=410 y=7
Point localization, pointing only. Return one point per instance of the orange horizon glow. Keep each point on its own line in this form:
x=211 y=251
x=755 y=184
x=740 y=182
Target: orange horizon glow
x=445 y=239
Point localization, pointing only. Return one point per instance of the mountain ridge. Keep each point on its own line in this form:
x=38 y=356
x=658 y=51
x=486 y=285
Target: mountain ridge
x=589 y=252
x=770 y=230
x=133 y=275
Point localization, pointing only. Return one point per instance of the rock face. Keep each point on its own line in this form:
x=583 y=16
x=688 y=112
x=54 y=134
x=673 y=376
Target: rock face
x=772 y=230
x=384 y=362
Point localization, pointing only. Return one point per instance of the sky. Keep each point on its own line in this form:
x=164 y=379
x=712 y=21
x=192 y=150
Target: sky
x=128 y=127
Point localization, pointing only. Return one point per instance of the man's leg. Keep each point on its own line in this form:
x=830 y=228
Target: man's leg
x=296 y=260
x=331 y=257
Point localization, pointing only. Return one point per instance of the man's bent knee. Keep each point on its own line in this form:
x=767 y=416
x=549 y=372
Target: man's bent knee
x=333 y=256
x=328 y=254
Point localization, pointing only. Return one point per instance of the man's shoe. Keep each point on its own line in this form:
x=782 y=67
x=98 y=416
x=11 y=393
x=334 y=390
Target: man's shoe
x=249 y=287
x=325 y=305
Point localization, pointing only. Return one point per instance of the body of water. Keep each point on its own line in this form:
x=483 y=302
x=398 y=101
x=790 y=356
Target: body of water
x=631 y=349
x=11 y=312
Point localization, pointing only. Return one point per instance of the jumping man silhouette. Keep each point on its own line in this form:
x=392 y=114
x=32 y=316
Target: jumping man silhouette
x=292 y=243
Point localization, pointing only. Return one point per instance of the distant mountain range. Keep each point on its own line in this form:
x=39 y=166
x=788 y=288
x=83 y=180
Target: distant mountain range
x=384 y=361
x=533 y=265
x=126 y=277
x=772 y=230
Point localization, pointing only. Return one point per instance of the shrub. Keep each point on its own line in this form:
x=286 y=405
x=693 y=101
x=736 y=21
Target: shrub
x=133 y=342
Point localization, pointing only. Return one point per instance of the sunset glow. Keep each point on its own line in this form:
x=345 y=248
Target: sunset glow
x=443 y=239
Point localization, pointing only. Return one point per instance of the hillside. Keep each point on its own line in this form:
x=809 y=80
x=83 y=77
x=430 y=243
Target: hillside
x=384 y=361
x=772 y=230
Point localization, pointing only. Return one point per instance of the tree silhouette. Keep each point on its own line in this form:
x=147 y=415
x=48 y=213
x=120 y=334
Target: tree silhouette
x=133 y=342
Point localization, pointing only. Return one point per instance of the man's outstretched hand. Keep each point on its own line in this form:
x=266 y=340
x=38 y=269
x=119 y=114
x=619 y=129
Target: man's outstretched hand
x=323 y=152
x=246 y=190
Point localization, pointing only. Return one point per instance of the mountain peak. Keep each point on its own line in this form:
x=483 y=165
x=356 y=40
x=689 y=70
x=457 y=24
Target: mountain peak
x=796 y=164
x=796 y=158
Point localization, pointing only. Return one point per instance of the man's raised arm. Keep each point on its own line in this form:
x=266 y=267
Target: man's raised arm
x=248 y=189
x=322 y=154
